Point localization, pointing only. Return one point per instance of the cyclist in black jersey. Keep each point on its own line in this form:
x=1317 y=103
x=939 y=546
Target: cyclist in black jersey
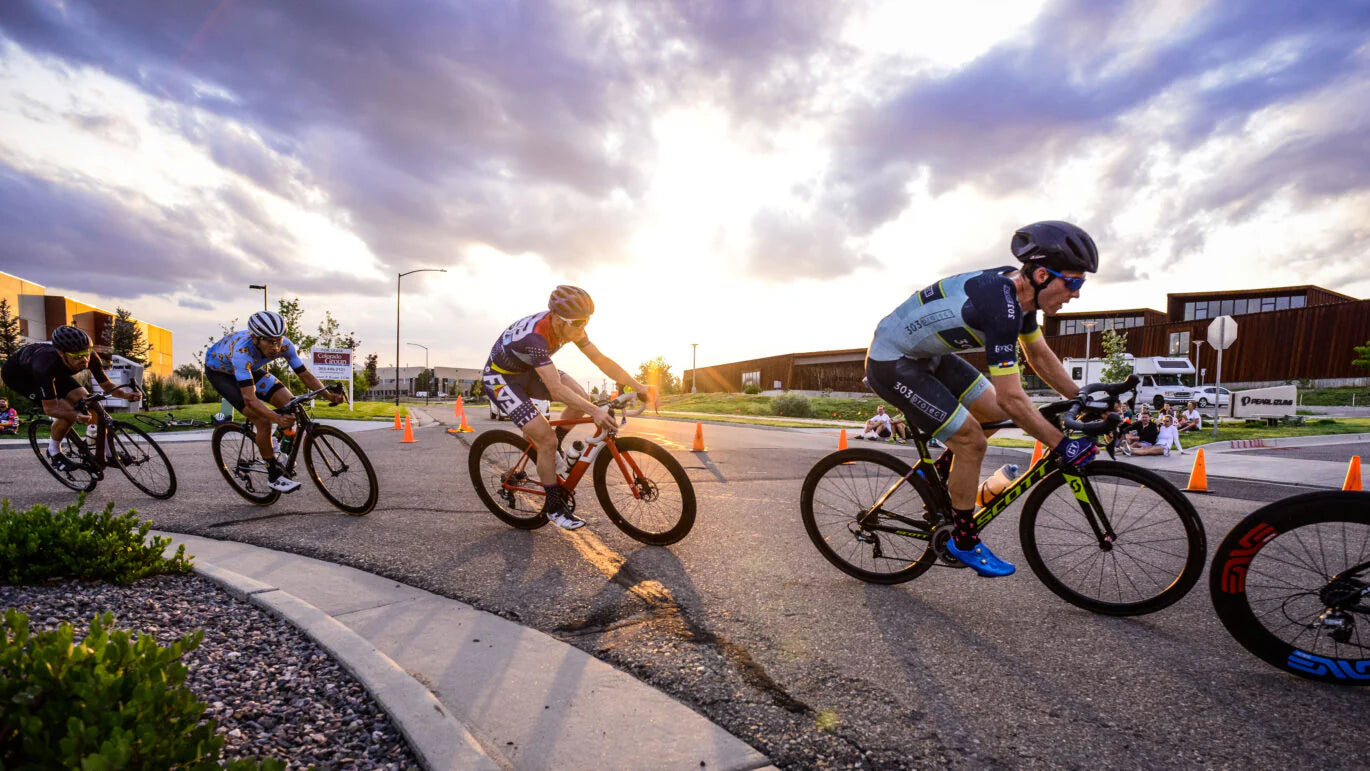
x=520 y=369
x=911 y=362
x=46 y=373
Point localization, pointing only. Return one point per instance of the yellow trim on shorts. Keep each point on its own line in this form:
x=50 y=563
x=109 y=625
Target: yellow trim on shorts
x=959 y=409
x=961 y=399
x=501 y=370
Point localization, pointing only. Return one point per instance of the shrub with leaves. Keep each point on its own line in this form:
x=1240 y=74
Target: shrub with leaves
x=105 y=702
x=38 y=544
x=793 y=406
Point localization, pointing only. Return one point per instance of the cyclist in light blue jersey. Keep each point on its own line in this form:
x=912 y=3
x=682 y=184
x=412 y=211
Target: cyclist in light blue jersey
x=911 y=364
x=236 y=367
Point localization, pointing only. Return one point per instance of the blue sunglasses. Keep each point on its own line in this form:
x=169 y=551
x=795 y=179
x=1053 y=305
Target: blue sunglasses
x=1073 y=284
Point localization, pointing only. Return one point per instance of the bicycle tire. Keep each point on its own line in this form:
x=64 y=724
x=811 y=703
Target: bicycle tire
x=846 y=484
x=335 y=464
x=1279 y=548
x=247 y=468
x=142 y=451
x=493 y=457
x=1165 y=561
x=656 y=525
x=148 y=420
x=81 y=480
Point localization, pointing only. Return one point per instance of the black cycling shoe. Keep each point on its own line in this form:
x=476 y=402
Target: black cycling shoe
x=63 y=463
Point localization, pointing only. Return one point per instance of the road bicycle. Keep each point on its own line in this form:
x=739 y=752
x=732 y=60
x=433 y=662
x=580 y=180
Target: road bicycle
x=115 y=443
x=1291 y=583
x=1109 y=537
x=169 y=422
x=649 y=497
x=335 y=461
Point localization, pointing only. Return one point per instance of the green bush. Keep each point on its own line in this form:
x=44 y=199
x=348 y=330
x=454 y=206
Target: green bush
x=156 y=391
x=793 y=406
x=751 y=388
x=103 y=703
x=38 y=544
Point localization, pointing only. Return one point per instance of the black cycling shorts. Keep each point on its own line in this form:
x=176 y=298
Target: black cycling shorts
x=932 y=393
x=511 y=392
x=227 y=386
x=22 y=381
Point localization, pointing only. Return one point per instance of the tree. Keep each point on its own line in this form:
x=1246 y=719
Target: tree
x=293 y=315
x=424 y=380
x=128 y=339
x=372 y=378
x=9 y=331
x=1116 y=368
x=328 y=331
x=658 y=373
x=1362 y=359
x=189 y=371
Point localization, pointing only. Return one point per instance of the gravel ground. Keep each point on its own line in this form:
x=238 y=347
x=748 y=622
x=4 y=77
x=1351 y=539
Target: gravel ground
x=273 y=691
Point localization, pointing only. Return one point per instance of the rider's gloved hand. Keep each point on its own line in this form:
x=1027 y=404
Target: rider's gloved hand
x=1077 y=452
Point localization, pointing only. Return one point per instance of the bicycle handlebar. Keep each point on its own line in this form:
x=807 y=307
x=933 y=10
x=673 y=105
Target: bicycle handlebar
x=290 y=406
x=1088 y=402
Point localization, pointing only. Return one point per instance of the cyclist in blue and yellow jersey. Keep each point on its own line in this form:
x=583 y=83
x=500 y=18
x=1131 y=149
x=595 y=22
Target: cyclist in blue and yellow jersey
x=236 y=367
x=46 y=374
x=520 y=368
x=911 y=364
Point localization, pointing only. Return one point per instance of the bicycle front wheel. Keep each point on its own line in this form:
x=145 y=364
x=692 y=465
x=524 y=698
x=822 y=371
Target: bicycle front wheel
x=142 y=461
x=506 y=479
x=656 y=506
x=340 y=470
x=81 y=479
x=239 y=460
x=1291 y=583
x=886 y=544
x=1152 y=558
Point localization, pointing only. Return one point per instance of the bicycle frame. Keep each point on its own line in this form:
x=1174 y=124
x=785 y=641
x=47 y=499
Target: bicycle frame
x=593 y=446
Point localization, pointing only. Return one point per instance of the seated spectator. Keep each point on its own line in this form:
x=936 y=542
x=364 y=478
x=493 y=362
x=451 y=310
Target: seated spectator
x=1167 y=436
x=1190 y=419
x=1142 y=437
x=879 y=426
x=901 y=429
x=9 y=418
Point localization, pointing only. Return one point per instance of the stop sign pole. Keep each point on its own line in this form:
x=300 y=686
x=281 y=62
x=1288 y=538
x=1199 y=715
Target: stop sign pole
x=1222 y=333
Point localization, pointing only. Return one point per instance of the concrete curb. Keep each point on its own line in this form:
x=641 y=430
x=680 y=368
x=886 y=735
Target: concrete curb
x=438 y=739
x=1237 y=445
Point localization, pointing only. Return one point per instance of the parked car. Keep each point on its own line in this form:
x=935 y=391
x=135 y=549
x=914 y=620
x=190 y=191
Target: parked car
x=1208 y=394
x=544 y=406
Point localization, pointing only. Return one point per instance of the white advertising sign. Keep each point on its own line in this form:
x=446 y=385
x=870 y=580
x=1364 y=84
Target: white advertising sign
x=332 y=363
x=1274 y=402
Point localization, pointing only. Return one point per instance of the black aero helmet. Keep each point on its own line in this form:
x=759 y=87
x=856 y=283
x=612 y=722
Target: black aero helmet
x=1057 y=245
x=266 y=324
x=571 y=302
x=69 y=339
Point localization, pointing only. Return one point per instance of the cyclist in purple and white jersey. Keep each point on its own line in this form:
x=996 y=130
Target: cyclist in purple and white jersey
x=520 y=369
x=911 y=364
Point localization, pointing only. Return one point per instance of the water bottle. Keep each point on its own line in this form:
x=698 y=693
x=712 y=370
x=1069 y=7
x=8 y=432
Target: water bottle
x=91 y=430
x=287 y=439
x=276 y=443
x=997 y=482
x=577 y=447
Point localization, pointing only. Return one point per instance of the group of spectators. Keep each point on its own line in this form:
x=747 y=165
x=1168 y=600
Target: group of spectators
x=1148 y=434
x=9 y=418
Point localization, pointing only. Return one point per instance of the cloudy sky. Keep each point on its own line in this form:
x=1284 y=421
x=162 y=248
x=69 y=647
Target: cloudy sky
x=755 y=176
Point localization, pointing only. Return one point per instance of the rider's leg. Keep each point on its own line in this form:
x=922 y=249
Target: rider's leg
x=60 y=426
x=539 y=432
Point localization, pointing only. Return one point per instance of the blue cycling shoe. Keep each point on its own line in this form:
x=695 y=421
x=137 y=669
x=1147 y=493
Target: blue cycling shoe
x=981 y=560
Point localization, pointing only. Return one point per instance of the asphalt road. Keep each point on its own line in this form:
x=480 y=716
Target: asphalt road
x=747 y=623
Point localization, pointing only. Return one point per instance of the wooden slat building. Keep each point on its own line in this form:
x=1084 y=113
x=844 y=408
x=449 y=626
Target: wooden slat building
x=1293 y=333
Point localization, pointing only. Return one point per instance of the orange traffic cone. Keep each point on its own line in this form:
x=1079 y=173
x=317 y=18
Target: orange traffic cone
x=408 y=431
x=397 y=422
x=1352 y=475
x=1038 y=450
x=461 y=410
x=1198 y=477
x=699 y=438
x=842 y=440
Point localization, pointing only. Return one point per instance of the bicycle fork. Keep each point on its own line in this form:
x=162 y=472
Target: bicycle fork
x=1093 y=510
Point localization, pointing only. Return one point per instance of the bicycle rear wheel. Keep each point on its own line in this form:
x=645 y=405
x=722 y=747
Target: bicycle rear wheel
x=342 y=472
x=80 y=480
x=1291 y=583
x=238 y=459
x=658 y=506
x=1156 y=557
x=142 y=461
x=886 y=545
x=505 y=480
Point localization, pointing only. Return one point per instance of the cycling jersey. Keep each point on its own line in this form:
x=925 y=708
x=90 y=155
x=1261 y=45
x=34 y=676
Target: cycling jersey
x=236 y=355
x=527 y=344
x=38 y=372
x=961 y=313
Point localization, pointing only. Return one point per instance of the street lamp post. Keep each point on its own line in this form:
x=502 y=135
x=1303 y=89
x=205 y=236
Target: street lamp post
x=694 y=367
x=399 y=276
x=425 y=369
x=1197 y=345
x=1089 y=329
x=263 y=288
